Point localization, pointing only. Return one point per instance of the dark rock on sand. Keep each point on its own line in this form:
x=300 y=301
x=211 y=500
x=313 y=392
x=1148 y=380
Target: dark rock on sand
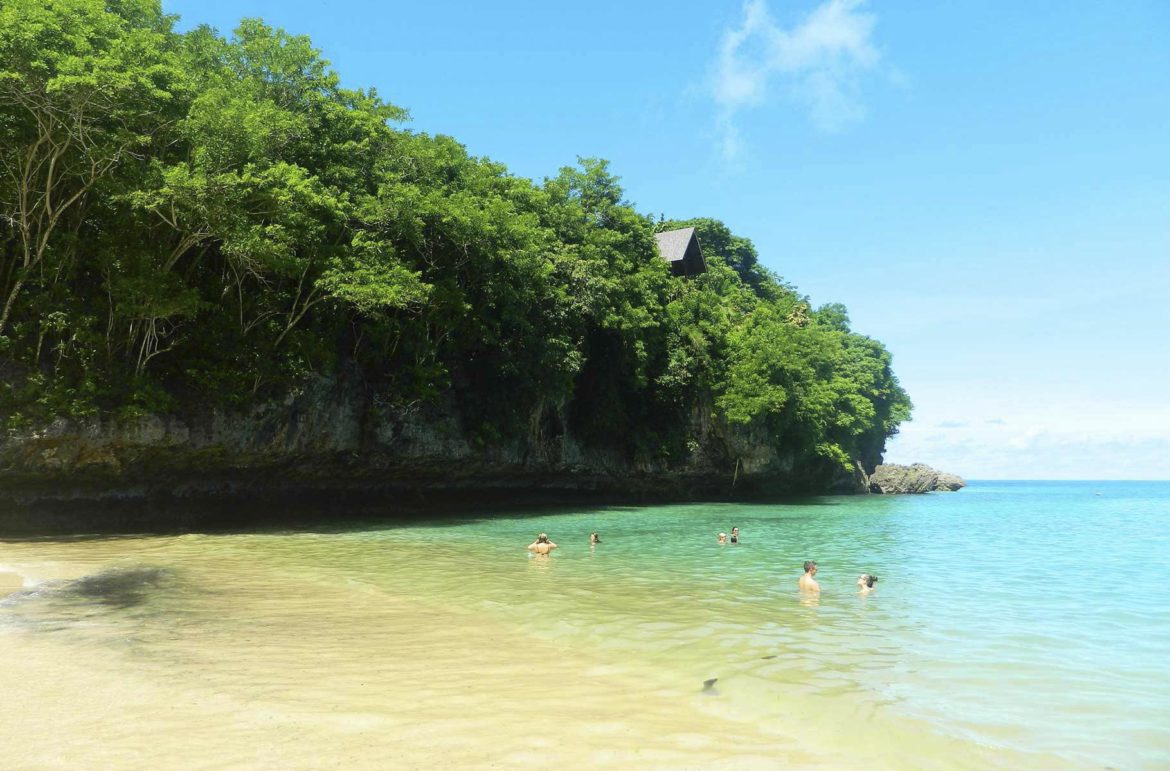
x=117 y=587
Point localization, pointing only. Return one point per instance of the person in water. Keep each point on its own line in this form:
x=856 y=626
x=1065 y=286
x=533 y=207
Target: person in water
x=865 y=583
x=593 y=539
x=807 y=582
x=723 y=538
x=542 y=545
x=735 y=535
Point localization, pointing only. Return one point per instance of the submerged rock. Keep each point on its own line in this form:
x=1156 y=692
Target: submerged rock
x=117 y=587
x=892 y=479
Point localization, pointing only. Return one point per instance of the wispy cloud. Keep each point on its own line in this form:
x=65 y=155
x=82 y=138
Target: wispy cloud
x=816 y=62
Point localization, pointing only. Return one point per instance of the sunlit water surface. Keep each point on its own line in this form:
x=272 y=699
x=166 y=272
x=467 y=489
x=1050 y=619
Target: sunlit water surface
x=1021 y=625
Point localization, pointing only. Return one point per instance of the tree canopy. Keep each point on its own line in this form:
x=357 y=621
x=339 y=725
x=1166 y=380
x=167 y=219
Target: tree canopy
x=188 y=217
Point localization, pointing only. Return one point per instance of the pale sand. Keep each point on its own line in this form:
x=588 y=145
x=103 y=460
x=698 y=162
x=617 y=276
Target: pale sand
x=254 y=658
x=328 y=678
x=9 y=583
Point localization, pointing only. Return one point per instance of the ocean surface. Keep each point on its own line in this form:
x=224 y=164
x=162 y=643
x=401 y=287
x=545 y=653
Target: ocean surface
x=1014 y=624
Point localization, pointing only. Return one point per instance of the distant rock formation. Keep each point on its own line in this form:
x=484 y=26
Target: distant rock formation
x=892 y=479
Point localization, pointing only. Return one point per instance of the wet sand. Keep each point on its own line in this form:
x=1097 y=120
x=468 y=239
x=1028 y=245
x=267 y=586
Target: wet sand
x=304 y=650
x=297 y=675
x=9 y=583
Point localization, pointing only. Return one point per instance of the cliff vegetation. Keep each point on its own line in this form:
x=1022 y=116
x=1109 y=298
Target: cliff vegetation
x=194 y=222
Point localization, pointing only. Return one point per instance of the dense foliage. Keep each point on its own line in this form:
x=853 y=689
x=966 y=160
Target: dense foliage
x=185 y=217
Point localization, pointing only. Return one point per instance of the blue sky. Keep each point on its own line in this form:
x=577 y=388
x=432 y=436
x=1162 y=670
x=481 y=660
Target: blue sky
x=985 y=185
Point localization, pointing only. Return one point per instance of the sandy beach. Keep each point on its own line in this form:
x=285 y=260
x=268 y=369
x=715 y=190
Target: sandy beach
x=9 y=583
x=340 y=672
x=286 y=651
x=445 y=645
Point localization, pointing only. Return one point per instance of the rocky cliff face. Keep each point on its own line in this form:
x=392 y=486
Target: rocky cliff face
x=918 y=478
x=332 y=445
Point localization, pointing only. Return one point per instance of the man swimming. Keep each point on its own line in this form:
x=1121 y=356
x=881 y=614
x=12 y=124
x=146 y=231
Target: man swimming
x=865 y=583
x=594 y=539
x=735 y=535
x=542 y=545
x=807 y=582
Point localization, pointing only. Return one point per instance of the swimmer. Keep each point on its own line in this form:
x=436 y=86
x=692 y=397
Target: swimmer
x=723 y=538
x=593 y=539
x=735 y=535
x=807 y=582
x=542 y=545
x=865 y=583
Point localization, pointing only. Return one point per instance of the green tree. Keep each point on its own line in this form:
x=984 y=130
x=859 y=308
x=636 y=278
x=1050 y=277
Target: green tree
x=193 y=216
x=85 y=88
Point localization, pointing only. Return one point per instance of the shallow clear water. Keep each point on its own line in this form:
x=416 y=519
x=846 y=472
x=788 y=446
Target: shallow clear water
x=1019 y=624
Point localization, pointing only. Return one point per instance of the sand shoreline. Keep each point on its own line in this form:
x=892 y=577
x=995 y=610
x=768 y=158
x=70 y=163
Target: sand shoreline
x=367 y=650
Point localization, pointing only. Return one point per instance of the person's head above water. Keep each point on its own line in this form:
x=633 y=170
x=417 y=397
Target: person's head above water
x=593 y=538
x=542 y=538
x=810 y=566
x=866 y=581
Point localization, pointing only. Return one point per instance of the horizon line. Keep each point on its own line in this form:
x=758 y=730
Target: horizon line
x=1058 y=479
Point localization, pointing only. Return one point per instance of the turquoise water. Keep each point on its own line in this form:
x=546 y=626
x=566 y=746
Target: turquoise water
x=1015 y=624
x=1032 y=616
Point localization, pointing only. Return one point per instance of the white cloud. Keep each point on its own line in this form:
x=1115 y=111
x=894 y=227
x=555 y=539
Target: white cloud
x=1073 y=446
x=817 y=62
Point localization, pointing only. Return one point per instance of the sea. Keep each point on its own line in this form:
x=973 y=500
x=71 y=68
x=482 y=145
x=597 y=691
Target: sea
x=1016 y=624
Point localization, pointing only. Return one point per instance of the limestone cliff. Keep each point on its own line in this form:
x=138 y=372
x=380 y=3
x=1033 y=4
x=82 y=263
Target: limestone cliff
x=333 y=445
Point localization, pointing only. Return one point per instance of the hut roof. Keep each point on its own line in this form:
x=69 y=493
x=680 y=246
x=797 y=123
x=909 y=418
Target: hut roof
x=680 y=248
x=672 y=244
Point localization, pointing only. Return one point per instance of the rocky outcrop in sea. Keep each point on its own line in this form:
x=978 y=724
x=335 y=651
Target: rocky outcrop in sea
x=894 y=479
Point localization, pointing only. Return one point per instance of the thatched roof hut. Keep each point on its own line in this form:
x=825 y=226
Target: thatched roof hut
x=681 y=249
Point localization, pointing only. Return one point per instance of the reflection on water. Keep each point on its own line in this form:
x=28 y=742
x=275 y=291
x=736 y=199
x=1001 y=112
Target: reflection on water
x=383 y=647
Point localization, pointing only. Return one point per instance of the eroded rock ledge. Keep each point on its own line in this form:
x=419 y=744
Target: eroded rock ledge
x=893 y=479
x=331 y=450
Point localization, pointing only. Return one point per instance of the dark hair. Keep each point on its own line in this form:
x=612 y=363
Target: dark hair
x=542 y=538
x=809 y=565
x=870 y=581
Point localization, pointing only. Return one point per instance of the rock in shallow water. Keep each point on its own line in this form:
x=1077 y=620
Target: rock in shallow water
x=116 y=587
x=892 y=479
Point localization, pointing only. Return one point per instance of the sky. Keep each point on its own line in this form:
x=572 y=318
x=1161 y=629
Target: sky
x=985 y=185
